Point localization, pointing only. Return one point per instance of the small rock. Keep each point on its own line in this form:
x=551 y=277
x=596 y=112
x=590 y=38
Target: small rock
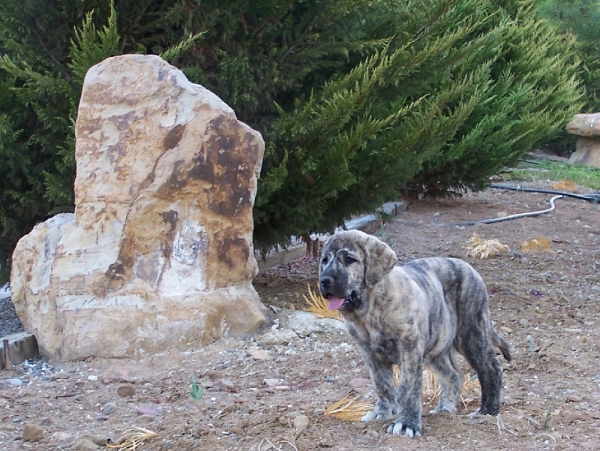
x=126 y=391
x=15 y=381
x=278 y=337
x=596 y=288
x=145 y=419
x=61 y=375
x=109 y=408
x=360 y=425
x=92 y=378
x=506 y=330
x=148 y=410
x=85 y=445
x=301 y=423
x=329 y=379
x=32 y=433
x=282 y=387
x=227 y=385
x=168 y=444
x=358 y=382
x=501 y=214
x=61 y=437
x=523 y=322
x=271 y=382
x=260 y=354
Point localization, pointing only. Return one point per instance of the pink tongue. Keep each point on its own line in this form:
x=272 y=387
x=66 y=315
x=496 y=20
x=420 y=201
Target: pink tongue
x=334 y=303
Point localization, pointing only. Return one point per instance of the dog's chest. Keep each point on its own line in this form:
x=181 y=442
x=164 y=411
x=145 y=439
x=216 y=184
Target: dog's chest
x=375 y=341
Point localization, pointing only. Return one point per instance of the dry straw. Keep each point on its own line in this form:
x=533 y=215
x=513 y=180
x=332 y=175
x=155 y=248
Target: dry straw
x=479 y=248
x=537 y=244
x=564 y=185
x=132 y=439
x=352 y=408
x=317 y=304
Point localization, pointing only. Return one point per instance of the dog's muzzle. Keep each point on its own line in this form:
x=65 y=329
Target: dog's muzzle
x=337 y=298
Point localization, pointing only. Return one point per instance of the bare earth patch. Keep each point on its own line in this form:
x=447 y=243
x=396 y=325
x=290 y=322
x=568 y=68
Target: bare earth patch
x=270 y=391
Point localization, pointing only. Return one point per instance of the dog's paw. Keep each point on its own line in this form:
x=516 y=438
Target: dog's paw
x=376 y=415
x=443 y=408
x=410 y=431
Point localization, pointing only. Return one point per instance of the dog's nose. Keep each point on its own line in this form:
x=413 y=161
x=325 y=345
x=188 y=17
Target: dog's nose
x=326 y=282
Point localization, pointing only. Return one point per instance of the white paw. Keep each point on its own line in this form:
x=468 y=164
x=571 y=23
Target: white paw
x=369 y=416
x=439 y=409
x=474 y=414
x=396 y=429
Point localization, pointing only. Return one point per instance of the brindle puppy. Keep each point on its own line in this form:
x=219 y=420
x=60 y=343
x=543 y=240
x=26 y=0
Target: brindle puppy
x=412 y=315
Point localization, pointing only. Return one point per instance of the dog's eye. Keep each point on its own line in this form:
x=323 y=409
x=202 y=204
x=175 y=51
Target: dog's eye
x=349 y=260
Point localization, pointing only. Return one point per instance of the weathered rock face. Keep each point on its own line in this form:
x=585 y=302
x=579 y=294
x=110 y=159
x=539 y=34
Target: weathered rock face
x=159 y=251
x=587 y=128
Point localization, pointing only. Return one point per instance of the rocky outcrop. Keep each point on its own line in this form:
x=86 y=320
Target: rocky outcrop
x=158 y=253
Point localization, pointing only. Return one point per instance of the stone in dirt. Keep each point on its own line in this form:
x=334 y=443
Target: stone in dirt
x=158 y=253
x=126 y=391
x=32 y=433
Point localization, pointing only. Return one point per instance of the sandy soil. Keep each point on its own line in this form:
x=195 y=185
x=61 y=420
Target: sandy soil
x=270 y=391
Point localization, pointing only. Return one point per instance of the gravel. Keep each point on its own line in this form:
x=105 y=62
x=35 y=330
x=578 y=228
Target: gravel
x=9 y=321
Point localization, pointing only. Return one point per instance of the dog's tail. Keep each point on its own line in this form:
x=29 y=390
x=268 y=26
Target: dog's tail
x=502 y=345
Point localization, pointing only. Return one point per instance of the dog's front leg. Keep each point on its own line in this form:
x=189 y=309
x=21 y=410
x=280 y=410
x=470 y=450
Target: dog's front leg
x=408 y=421
x=382 y=376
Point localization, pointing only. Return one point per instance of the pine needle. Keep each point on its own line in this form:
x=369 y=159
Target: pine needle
x=317 y=304
x=564 y=185
x=537 y=244
x=479 y=248
x=132 y=439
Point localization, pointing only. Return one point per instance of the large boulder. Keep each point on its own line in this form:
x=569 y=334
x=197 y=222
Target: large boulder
x=158 y=254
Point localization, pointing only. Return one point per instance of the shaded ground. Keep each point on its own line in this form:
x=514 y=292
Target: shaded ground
x=547 y=306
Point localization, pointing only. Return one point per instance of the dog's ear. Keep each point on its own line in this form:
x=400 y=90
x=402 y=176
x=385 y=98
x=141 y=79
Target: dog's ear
x=379 y=260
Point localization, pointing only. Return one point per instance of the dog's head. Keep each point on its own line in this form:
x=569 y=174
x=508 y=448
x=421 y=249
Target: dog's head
x=351 y=262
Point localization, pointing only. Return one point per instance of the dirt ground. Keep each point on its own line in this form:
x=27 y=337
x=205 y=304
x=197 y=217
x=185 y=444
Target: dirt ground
x=270 y=391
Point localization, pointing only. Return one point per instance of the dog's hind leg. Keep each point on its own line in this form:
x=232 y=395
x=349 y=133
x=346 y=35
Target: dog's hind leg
x=481 y=355
x=450 y=379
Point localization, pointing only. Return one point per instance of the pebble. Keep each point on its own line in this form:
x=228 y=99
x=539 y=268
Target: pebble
x=126 y=391
x=301 y=423
x=32 y=433
x=15 y=381
x=506 y=330
x=109 y=408
x=359 y=382
x=260 y=354
x=227 y=385
x=271 y=382
x=85 y=445
x=596 y=288
x=523 y=322
x=61 y=375
x=92 y=378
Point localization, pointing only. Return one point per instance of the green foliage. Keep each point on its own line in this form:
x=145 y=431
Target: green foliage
x=551 y=170
x=196 y=391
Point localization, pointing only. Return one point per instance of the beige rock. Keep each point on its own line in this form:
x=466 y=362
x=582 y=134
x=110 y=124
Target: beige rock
x=158 y=254
x=587 y=151
x=587 y=125
x=32 y=433
x=587 y=148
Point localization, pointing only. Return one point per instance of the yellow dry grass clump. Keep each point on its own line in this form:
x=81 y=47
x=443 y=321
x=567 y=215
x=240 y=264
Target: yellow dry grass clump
x=564 y=185
x=479 y=248
x=352 y=409
x=132 y=439
x=317 y=304
x=537 y=244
